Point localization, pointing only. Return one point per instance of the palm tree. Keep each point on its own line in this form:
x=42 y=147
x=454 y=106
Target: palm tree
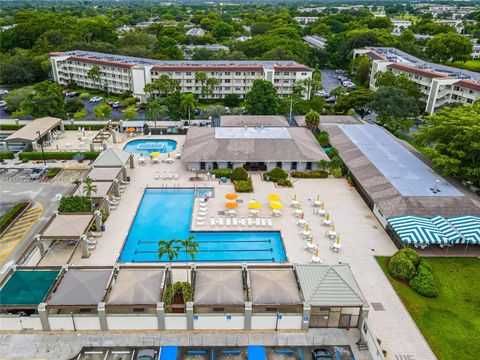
x=169 y=248
x=201 y=77
x=187 y=103
x=94 y=73
x=191 y=248
x=312 y=119
x=89 y=188
x=155 y=111
x=211 y=84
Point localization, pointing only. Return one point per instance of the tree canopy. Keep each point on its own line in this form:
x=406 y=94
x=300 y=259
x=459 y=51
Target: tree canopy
x=449 y=47
x=262 y=99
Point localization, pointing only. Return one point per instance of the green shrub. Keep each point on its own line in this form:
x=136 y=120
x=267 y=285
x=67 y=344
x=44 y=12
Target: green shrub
x=332 y=152
x=412 y=255
x=309 y=174
x=10 y=126
x=87 y=127
x=64 y=155
x=323 y=139
x=11 y=215
x=222 y=173
x=179 y=287
x=424 y=282
x=243 y=186
x=275 y=174
x=239 y=173
x=6 y=155
x=401 y=267
x=84 y=96
x=75 y=204
x=337 y=172
x=53 y=172
x=284 y=182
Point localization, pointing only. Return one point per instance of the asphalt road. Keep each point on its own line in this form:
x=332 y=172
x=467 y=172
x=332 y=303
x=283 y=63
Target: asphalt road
x=45 y=193
x=329 y=79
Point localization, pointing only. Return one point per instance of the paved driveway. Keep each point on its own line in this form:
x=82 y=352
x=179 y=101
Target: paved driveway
x=329 y=79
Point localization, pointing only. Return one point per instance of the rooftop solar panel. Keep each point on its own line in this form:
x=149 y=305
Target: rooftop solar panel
x=409 y=175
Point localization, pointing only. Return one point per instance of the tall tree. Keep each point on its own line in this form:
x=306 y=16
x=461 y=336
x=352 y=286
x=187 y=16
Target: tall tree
x=190 y=246
x=212 y=83
x=88 y=188
x=312 y=120
x=130 y=113
x=262 y=98
x=452 y=141
x=156 y=110
x=356 y=100
x=360 y=69
x=395 y=108
x=449 y=47
x=168 y=248
x=187 y=104
x=94 y=74
x=102 y=111
x=45 y=100
x=201 y=77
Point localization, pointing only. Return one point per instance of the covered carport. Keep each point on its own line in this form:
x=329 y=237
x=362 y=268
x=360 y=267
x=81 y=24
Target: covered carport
x=35 y=132
x=67 y=230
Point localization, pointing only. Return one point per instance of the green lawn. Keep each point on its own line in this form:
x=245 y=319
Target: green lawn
x=472 y=65
x=451 y=322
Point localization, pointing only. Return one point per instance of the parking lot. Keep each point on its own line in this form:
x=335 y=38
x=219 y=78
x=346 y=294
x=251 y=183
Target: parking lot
x=23 y=175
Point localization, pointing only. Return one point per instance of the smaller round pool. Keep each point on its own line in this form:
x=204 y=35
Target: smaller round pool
x=146 y=146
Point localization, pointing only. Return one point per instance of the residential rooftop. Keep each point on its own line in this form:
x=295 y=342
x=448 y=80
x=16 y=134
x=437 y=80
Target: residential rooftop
x=253 y=120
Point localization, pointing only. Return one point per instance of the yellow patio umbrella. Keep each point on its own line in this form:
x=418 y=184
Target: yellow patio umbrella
x=311 y=240
x=323 y=205
x=231 y=205
x=318 y=197
x=316 y=252
x=294 y=196
x=306 y=227
x=299 y=206
x=231 y=196
x=254 y=205
x=337 y=240
x=327 y=217
x=274 y=197
x=155 y=154
x=333 y=228
x=276 y=205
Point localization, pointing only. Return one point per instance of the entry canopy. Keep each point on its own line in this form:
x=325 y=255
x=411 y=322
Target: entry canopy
x=137 y=287
x=67 y=227
x=27 y=287
x=274 y=287
x=81 y=287
x=218 y=287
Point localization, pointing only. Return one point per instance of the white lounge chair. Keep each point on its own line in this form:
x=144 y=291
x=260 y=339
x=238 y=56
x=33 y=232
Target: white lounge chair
x=235 y=221
x=228 y=222
x=257 y=222
x=243 y=222
x=269 y=222
x=264 y=222
x=200 y=218
x=250 y=222
x=157 y=176
x=220 y=221
x=175 y=176
x=202 y=204
x=200 y=222
x=212 y=221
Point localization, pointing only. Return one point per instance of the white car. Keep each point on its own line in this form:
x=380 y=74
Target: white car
x=115 y=104
x=3 y=91
x=3 y=104
x=96 y=99
x=349 y=85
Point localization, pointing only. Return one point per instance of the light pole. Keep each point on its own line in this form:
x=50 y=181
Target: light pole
x=41 y=146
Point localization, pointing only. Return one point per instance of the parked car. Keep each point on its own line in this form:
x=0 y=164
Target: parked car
x=321 y=354
x=322 y=93
x=115 y=104
x=37 y=173
x=72 y=94
x=3 y=91
x=96 y=99
x=349 y=85
x=146 y=354
x=331 y=100
x=343 y=78
x=3 y=104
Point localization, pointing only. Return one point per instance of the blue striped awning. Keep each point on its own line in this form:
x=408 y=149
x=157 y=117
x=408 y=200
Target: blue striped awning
x=417 y=230
x=468 y=226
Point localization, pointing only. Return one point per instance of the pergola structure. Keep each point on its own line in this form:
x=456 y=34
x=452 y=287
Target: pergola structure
x=35 y=131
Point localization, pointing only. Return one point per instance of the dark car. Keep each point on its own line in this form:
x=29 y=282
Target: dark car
x=321 y=354
x=147 y=354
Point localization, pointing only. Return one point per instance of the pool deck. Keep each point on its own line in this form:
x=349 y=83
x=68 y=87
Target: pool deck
x=362 y=237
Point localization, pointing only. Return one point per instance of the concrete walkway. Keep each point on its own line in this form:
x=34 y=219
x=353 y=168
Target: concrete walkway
x=66 y=345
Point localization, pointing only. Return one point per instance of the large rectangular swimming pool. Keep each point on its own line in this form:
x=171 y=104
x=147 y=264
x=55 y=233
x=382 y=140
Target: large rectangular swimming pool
x=165 y=214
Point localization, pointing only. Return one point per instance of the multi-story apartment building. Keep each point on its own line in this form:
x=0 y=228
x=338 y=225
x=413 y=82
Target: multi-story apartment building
x=399 y=25
x=439 y=84
x=304 y=20
x=122 y=73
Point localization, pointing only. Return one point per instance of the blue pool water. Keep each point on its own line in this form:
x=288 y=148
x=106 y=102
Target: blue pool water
x=146 y=146
x=165 y=214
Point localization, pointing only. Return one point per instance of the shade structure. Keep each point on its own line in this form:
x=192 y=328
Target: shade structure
x=81 y=287
x=231 y=205
x=274 y=287
x=136 y=287
x=468 y=226
x=27 y=287
x=67 y=227
x=231 y=196
x=276 y=205
x=417 y=230
x=104 y=174
x=274 y=197
x=112 y=157
x=254 y=205
x=218 y=287
x=29 y=132
x=454 y=237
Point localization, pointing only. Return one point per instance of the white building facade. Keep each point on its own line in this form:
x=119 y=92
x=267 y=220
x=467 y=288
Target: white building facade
x=122 y=73
x=438 y=86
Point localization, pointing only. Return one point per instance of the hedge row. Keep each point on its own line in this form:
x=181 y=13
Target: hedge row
x=243 y=186
x=226 y=172
x=275 y=174
x=53 y=172
x=11 y=215
x=424 y=283
x=66 y=155
x=75 y=204
x=71 y=127
x=6 y=155
x=309 y=174
x=10 y=127
x=284 y=182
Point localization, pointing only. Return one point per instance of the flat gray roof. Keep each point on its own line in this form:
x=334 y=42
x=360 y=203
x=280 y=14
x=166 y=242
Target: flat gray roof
x=251 y=133
x=253 y=120
x=409 y=175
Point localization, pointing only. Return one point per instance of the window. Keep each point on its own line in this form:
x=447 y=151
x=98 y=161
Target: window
x=227 y=81
x=188 y=73
x=227 y=73
x=286 y=73
x=238 y=73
